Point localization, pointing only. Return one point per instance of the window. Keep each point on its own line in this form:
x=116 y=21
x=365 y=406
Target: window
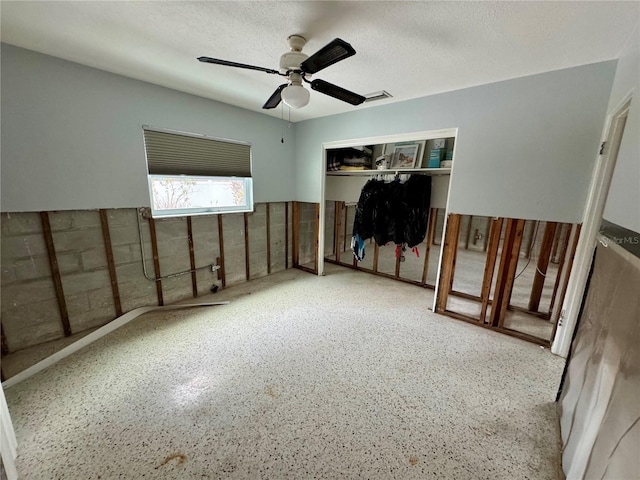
x=193 y=174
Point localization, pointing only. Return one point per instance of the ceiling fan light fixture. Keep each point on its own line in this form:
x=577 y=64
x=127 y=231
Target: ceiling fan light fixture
x=295 y=96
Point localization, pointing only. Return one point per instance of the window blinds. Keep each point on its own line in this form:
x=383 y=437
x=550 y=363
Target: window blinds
x=180 y=154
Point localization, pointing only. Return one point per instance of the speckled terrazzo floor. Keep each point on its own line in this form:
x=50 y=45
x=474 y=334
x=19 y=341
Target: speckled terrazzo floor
x=343 y=376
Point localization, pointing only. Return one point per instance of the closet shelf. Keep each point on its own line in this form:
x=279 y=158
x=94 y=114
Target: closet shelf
x=401 y=171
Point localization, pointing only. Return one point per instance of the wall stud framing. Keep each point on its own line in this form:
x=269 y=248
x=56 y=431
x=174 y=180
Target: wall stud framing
x=247 y=271
x=55 y=272
x=566 y=228
x=565 y=282
x=221 y=275
x=296 y=234
x=337 y=224
x=376 y=254
x=268 y=227
x=286 y=235
x=543 y=263
x=192 y=258
x=156 y=260
x=507 y=270
x=106 y=236
x=490 y=265
x=448 y=260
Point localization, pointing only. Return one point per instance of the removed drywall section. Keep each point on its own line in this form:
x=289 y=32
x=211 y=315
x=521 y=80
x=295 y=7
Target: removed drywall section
x=524 y=148
x=206 y=251
x=97 y=152
x=77 y=237
x=280 y=235
x=31 y=312
x=257 y=231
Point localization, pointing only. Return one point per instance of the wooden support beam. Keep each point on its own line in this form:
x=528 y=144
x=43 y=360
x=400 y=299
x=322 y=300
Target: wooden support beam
x=317 y=239
x=431 y=229
x=507 y=270
x=156 y=260
x=247 y=272
x=448 y=260
x=490 y=265
x=222 y=275
x=268 y=227
x=376 y=255
x=486 y=235
x=466 y=243
x=55 y=273
x=106 y=236
x=286 y=235
x=543 y=264
x=556 y=245
x=337 y=223
x=566 y=228
x=567 y=274
x=346 y=226
x=397 y=270
x=296 y=234
x=192 y=258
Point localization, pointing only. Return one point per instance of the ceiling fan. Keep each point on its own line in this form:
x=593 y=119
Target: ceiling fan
x=298 y=67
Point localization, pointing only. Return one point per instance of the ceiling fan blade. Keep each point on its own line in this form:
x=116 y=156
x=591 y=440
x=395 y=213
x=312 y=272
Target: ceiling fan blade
x=274 y=99
x=337 y=92
x=227 y=63
x=331 y=53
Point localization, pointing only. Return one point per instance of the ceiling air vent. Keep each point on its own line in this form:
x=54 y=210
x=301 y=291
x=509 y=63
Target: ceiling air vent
x=372 y=97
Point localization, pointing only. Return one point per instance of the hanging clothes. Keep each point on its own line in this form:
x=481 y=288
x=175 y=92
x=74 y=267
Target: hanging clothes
x=392 y=212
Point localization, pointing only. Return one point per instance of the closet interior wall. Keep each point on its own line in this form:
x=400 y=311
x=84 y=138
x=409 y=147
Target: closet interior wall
x=66 y=273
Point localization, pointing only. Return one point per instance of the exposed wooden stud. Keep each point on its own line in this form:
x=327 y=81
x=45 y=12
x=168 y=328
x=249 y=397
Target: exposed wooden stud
x=296 y=234
x=376 y=254
x=379 y=274
x=448 y=260
x=431 y=231
x=566 y=227
x=507 y=271
x=337 y=223
x=397 y=269
x=106 y=236
x=317 y=239
x=192 y=258
x=286 y=235
x=556 y=245
x=247 y=271
x=486 y=235
x=306 y=269
x=222 y=275
x=156 y=260
x=565 y=282
x=268 y=227
x=543 y=264
x=346 y=225
x=490 y=265
x=466 y=243
x=55 y=272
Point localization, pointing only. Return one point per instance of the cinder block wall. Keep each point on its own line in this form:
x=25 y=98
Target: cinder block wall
x=30 y=308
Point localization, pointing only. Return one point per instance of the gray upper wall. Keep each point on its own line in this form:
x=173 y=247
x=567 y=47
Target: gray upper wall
x=623 y=202
x=525 y=147
x=72 y=135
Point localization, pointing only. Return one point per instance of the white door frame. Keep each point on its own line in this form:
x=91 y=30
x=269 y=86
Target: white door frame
x=592 y=219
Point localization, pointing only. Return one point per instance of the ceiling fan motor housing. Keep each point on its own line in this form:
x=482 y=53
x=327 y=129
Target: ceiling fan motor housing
x=292 y=61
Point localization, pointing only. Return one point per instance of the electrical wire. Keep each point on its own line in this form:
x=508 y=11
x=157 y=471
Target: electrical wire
x=533 y=242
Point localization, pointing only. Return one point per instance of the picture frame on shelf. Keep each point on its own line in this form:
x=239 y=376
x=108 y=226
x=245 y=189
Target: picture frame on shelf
x=405 y=156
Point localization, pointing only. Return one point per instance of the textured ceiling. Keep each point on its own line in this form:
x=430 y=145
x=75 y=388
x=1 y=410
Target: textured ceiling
x=410 y=49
